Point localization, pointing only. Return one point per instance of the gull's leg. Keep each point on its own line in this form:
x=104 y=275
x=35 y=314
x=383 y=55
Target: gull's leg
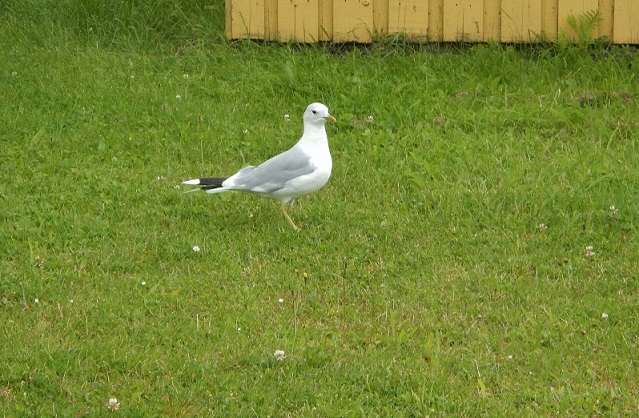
x=288 y=218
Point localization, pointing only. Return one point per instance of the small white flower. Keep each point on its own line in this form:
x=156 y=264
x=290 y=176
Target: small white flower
x=245 y=131
x=589 y=251
x=287 y=118
x=239 y=329
x=36 y=300
x=604 y=315
x=280 y=300
x=143 y=283
x=70 y=300
x=178 y=97
x=185 y=76
x=14 y=73
x=370 y=119
x=279 y=355
x=196 y=249
x=542 y=227
x=113 y=404
x=510 y=357
x=613 y=210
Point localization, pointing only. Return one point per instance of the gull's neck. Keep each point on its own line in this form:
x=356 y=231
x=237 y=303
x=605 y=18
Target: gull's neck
x=315 y=133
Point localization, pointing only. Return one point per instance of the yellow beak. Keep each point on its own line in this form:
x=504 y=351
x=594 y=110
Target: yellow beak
x=332 y=119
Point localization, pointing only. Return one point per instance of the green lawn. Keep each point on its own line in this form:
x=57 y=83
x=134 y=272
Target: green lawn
x=443 y=270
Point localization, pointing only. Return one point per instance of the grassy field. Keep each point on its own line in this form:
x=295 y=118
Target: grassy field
x=475 y=253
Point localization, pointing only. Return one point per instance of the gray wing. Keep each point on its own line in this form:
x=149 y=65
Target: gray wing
x=273 y=174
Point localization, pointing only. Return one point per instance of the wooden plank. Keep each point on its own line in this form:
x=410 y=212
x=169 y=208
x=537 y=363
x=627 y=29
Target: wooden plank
x=549 y=27
x=228 y=20
x=247 y=19
x=492 y=20
x=463 y=21
x=307 y=20
x=270 y=20
x=436 y=20
x=520 y=20
x=298 y=20
x=606 y=11
x=353 y=21
x=574 y=8
x=626 y=21
x=380 y=16
x=409 y=17
x=325 y=22
x=285 y=20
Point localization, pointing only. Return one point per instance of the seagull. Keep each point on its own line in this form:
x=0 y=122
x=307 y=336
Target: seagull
x=301 y=170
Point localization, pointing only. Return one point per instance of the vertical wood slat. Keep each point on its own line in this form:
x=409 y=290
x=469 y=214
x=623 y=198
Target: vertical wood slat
x=325 y=20
x=549 y=22
x=228 y=21
x=409 y=17
x=626 y=21
x=521 y=20
x=381 y=11
x=492 y=20
x=426 y=20
x=353 y=20
x=247 y=19
x=302 y=17
x=271 y=29
x=606 y=11
x=464 y=21
x=436 y=20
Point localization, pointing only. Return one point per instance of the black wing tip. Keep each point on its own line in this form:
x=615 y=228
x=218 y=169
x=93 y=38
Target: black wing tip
x=207 y=183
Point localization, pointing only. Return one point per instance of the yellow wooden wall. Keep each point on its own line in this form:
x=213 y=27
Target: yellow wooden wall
x=425 y=20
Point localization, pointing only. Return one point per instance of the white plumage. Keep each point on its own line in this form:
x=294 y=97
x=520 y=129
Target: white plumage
x=301 y=170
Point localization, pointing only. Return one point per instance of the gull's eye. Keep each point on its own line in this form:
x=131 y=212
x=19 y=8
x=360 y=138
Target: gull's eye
x=314 y=112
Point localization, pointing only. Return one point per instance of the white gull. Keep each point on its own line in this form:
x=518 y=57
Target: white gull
x=301 y=170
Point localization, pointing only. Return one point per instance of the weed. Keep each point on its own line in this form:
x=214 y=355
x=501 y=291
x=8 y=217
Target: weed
x=582 y=28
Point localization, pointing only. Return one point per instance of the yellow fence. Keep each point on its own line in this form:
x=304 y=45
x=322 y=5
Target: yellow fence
x=428 y=20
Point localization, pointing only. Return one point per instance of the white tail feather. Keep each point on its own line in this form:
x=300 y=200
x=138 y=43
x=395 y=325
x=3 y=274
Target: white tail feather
x=218 y=190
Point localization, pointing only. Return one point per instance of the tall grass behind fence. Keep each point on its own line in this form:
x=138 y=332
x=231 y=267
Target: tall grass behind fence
x=117 y=23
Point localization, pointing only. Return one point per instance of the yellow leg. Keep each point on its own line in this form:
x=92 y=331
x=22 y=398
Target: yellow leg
x=288 y=218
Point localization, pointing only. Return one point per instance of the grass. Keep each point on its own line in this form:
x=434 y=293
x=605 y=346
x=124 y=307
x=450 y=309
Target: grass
x=443 y=270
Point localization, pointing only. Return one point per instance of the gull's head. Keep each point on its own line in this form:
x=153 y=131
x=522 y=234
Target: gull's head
x=317 y=113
